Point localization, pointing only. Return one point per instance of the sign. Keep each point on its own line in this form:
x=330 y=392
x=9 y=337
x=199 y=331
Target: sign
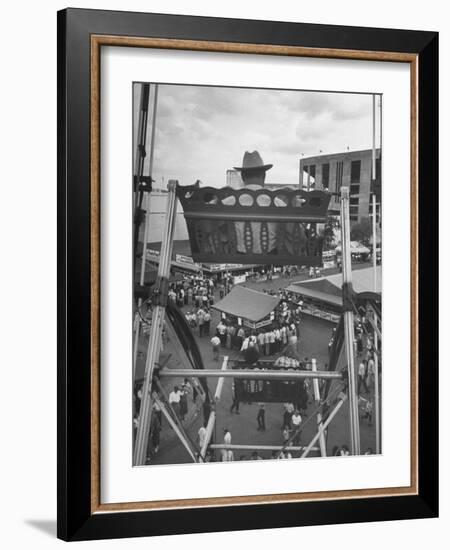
x=225 y=267
x=152 y=255
x=152 y=252
x=264 y=323
x=183 y=259
x=260 y=324
x=239 y=279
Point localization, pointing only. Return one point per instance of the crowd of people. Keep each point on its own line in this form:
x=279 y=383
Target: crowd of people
x=279 y=340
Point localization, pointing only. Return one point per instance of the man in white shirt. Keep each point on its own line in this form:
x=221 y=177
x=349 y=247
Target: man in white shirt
x=215 y=342
x=296 y=421
x=227 y=454
x=174 y=400
x=362 y=377
x=202 y=435
x=222 y=330
x=272 y=342
x=261 y=342
x=267 y=342
x=277 y=340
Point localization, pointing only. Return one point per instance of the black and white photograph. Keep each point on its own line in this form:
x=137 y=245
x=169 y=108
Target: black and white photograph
x=257 y=268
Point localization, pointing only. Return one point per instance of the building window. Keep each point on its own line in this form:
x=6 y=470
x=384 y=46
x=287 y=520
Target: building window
x=310 y=175
x=354 y=201
x=354 y=189
x=325 y=175
x=339 y=172
x=355 y=175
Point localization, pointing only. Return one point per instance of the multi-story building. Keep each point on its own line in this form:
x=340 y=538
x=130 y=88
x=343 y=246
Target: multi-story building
x=352 y=169
x=234 y=179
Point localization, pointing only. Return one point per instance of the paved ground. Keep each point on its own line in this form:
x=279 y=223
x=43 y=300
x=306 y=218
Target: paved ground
x=315 y=335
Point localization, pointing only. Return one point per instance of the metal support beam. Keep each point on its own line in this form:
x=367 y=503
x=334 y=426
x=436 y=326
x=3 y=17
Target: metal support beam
x=348 y=320
x=325 y=425
x=374 y=241
x=175 y=427
x=209 y=431
x=251 y=374
x=374 y=325
x=181 y=354
x=212 y=414
x=377 y=393
x=140 y=448
x=221 y=380
x=322 y=443
x=232 y=447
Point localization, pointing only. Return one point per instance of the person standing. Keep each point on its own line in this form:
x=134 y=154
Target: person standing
x=283 y=333
x=296 y=422
x=261 y=417
x=155 y=431
x=287 y=416
x=174 y=400
x=215 y=342
x=229 y=336
x=240 y=338
x=200 y=321
x=227 y=454
x=157 y=410
x=362 y=377
x=277 y=340
x=286 y=436
x=222 y=332
x=272 y=342
x=207 y=322
x=201 y=436
x=261 y=342
x=183 y=402
x=370 y=371
x=235 y=403
x=267 y=342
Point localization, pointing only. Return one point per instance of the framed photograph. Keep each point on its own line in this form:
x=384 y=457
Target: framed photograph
x=247 y=286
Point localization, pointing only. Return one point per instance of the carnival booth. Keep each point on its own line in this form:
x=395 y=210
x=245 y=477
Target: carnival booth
x=248 y=308
x=256 y=310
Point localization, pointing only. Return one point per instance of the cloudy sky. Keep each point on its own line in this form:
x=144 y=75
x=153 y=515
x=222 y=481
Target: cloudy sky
x=201 y=132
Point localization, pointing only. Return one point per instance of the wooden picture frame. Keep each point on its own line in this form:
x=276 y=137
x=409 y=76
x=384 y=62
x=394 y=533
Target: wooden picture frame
x=81 y=35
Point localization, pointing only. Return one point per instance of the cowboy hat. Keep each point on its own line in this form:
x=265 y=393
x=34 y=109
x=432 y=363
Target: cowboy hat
x=253 y=161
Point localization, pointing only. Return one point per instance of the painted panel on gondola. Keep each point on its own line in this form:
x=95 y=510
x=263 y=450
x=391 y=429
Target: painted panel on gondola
x=268 y=391
x=259 y=226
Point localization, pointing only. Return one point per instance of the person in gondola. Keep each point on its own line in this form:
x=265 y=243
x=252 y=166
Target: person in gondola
x=254 y=237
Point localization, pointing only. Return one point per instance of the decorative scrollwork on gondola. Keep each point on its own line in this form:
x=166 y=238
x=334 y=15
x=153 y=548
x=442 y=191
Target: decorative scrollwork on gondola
x=255 y=226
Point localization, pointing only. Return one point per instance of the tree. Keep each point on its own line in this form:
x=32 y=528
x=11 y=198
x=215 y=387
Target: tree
x=361 y=231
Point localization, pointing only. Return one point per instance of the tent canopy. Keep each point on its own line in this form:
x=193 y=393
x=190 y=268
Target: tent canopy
x=362 y=280
x=328 y=289
x=247 y=303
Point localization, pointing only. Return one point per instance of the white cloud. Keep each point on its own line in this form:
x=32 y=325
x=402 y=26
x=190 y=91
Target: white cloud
x=203 y=131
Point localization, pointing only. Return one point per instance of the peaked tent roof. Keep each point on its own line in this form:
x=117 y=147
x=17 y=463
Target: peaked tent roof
x=362 y=279
x=328 y=289
x=247 y=303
